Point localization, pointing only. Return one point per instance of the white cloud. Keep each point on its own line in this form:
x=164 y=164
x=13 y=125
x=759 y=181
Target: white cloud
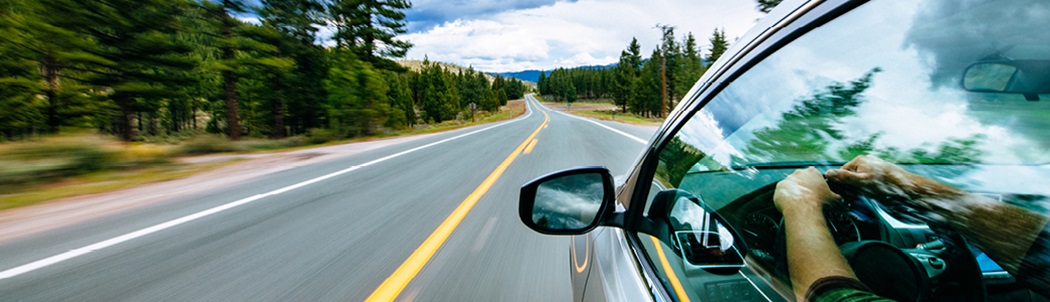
x=588 y=32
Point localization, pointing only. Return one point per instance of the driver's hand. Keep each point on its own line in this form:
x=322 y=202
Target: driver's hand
x=881 y=178
x=803 y=190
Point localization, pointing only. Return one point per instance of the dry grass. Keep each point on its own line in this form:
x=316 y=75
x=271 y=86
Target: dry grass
x=84 y=163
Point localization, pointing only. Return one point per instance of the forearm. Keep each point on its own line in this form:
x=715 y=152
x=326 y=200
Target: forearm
x=1003 y=231
x=811 y=251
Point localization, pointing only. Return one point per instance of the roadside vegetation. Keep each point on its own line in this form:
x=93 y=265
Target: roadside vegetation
x=95 y=94
x=73 y=164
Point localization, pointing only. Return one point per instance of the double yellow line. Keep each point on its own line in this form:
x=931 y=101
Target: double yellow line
x=393 y=285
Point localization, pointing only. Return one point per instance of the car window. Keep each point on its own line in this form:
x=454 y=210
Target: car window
x=890 y=79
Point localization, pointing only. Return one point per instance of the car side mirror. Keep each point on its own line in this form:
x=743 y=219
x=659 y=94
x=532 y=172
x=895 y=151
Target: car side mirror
x=1027 y=77
x=696 y=232
x=570 y=202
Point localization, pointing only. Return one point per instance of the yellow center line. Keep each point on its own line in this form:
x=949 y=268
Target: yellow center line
x=677 y=285
x=532 y=144
x=404 y=274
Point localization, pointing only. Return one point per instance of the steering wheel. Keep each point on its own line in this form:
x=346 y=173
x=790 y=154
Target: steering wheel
x=946 y=270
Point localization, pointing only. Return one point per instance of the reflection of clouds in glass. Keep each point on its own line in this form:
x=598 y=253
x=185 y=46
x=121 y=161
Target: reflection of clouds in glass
x=1014 y=179
x=707 y=132
x=957 y=33
x=568 y=207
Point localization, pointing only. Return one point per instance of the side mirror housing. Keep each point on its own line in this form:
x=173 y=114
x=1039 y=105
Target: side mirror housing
x=569 y=202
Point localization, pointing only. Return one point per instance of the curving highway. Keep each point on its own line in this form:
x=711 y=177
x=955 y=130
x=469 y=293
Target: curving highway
x=433 y=218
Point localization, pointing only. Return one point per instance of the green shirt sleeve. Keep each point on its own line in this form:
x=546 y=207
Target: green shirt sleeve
x=848 y=294
x=841 y=289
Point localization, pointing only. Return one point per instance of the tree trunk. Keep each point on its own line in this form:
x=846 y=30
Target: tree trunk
x=229 y=78
x=278 y=111
x=232 y=117
x=50 y=70
x=127 y=120
x=176 y=118
x=278 y=118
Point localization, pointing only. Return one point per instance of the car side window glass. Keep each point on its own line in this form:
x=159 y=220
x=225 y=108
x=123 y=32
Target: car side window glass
x=888 y=79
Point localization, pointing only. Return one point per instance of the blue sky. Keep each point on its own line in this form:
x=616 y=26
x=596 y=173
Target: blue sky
x=515 y=35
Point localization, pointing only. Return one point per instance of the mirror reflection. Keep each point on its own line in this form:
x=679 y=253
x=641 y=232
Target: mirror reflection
x=568 y=203
x=700 y=238
x=1028 y=77
x=988 y=77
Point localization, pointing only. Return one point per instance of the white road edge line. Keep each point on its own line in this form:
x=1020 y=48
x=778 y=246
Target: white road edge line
x=635 y=138
x=13 y=272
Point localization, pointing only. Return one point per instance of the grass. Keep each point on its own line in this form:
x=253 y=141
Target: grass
x=99 y=182
x=609 y=115
x=78 y=164
x=605 y=115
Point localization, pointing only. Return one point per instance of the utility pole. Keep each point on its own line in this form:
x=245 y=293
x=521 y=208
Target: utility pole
x=663 y=86
x=664 y=30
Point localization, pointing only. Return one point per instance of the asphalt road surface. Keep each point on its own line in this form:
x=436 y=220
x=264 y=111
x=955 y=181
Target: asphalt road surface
x=428 y=219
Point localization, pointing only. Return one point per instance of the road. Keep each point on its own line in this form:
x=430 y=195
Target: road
x=427 y=219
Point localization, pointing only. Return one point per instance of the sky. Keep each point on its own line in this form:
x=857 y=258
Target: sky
x=516 y=35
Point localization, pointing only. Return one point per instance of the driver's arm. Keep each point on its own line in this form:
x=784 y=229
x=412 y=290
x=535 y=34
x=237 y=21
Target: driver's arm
x=1014 y=237
x=818 y=269
x=1003 y=231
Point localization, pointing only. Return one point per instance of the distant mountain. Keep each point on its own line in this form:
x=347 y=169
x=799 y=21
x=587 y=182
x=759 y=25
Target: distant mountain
x=534 y=75
x=527 y=75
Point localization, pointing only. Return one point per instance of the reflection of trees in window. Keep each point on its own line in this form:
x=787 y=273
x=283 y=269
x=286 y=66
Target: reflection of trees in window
x=808 y=132
x=675 y=160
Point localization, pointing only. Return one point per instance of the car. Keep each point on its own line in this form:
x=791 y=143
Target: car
x=956 y=91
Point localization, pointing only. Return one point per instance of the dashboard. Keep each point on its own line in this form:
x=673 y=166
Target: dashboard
x=745 y=201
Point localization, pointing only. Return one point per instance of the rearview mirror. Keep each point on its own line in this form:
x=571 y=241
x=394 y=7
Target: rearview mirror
x=569 y=202
x=1027 y=77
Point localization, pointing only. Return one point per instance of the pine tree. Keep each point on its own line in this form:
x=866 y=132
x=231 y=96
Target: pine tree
x=543 y=84
x=298 y=93
x=369 y=29
x=766 y=6
x=503 y=98
x=141 y=61
x=626 y=74
x=438 y=96
x=719 y=45
x=647 y=91
x=690 y=66
x=46 y=36
x=357 y=96
x=402 y=110
x=21 y=114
